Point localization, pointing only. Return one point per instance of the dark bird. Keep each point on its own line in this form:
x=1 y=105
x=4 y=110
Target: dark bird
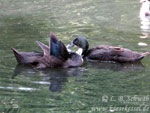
x=27 y=57
x=56 y=55
x=105 y=52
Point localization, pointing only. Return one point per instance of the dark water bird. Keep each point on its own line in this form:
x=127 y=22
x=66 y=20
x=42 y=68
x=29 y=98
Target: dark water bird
x=105 y=52
x=56 y=55
x=27 y=57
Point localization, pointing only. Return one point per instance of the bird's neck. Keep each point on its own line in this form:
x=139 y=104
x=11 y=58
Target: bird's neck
x=79 y=51
x=82 y=52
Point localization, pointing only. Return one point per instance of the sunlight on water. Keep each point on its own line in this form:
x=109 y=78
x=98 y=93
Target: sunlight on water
x=142 y=44
x=41 y=82
x=19 y=88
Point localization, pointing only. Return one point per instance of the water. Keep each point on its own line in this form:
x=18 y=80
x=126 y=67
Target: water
x=94 y=87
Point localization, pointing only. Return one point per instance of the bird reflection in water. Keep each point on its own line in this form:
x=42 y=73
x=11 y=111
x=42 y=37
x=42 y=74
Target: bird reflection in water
x=124 y=67
x=145 y=20
x=55 y=77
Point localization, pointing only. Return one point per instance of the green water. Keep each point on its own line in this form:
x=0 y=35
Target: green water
x=94 y=87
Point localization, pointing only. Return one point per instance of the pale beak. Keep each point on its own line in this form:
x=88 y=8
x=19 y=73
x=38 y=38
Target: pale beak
x=70 y=45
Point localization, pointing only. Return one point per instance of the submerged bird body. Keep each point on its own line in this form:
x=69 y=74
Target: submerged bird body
x=56 y=55
x=107 y=53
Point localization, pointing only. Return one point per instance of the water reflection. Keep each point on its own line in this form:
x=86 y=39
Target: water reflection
x=142 y=44
x=144 y=35
x=55 y=77
x=19 y=88
x=145 y=14
x=125 y=67
x=145 y=20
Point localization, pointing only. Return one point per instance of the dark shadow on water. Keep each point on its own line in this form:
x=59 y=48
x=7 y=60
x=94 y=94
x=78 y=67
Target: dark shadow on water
x=56 y=76
x=125 y=67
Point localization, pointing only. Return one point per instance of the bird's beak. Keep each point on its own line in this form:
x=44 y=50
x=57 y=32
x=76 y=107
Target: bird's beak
x=70 y=45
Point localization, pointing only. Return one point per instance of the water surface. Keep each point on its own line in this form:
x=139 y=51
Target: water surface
x=94 y=87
